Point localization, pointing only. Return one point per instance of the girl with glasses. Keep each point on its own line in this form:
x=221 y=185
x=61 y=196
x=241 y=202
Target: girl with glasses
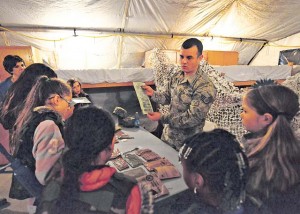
x=37 y=137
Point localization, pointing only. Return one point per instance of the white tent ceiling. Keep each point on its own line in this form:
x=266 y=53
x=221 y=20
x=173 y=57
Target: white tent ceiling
x=92 y=34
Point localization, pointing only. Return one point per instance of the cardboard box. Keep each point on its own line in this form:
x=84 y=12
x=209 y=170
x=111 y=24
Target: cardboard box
x=221 y=57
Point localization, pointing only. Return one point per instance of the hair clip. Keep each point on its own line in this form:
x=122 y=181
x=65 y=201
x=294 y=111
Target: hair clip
x=187 y=152
x=181 y=150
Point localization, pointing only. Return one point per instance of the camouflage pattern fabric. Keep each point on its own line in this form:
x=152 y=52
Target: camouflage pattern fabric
x=225 y=110
x=293 y=83
x=227 y=107
x=189 y=100
x=163 y=72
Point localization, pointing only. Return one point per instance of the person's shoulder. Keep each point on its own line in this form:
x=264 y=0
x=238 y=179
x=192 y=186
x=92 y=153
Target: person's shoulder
x=176 y=77
x=205 y=78
x=83 y=94
x=204 y=66
x=42 y=113
x=205 y=86
x=285 y=202
x=47 y=124
x=202 y=79
x=8 y=79
x=5 y=84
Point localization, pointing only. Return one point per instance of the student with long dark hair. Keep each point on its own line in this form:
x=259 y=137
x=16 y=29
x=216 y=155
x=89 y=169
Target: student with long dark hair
x=89 y=185
x=15 y=98
x=37 y=138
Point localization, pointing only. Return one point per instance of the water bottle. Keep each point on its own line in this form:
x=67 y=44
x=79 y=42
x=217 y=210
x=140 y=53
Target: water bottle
x=137 y=120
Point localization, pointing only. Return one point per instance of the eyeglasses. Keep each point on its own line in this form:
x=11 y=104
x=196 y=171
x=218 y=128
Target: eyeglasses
x=70 y=103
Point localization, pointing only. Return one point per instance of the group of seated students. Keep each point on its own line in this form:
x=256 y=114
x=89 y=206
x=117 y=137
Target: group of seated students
x=70 y=149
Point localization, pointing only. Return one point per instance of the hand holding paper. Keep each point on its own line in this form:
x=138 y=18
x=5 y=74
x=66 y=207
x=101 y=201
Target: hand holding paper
x=148 y=90
x=154 y=116
x=144 y=100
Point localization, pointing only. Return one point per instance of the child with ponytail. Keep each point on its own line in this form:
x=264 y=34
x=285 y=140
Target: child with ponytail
x=37 y=136
x=272 y=149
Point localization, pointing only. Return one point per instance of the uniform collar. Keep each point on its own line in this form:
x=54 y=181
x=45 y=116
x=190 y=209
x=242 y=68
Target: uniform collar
x=191 y=79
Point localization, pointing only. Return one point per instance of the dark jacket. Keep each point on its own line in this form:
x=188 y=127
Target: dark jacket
x=24 y=153
x=280 y=203
x=112 y=196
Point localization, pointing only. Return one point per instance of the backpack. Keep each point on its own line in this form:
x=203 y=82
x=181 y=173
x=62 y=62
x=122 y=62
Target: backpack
x=110 y=198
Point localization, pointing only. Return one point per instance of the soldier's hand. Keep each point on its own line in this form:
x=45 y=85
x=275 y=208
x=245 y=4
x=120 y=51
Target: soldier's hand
x=148 y=90
x=154 y=116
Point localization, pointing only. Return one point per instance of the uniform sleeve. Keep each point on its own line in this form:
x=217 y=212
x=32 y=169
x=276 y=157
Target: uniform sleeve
x=163 y=97
x=48 y=146
x=200 y=104
x=134 y=201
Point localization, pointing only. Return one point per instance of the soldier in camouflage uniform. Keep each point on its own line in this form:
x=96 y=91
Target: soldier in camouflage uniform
x=190 y=94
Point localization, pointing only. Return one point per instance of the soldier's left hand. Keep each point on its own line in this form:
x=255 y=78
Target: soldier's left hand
x=154 y=116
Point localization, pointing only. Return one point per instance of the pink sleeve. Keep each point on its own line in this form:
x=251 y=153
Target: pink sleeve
x=48 y=145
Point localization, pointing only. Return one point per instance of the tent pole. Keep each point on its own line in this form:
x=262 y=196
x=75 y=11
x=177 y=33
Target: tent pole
x=257 y=53
x=124 y=23
x=119 y=31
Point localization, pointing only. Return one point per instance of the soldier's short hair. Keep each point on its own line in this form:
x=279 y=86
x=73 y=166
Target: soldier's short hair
x=193 y=42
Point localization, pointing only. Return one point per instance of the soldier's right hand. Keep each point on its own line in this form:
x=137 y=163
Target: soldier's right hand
x=148 y=90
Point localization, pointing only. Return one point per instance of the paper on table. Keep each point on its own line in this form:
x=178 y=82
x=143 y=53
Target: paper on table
x=144 y=100
x=136 y=172
x=80 y=100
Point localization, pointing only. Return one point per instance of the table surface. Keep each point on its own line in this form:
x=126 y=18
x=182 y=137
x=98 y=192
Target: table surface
x=145 y=139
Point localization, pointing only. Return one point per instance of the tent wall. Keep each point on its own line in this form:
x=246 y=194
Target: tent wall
x=269 y=55
x=116 y=33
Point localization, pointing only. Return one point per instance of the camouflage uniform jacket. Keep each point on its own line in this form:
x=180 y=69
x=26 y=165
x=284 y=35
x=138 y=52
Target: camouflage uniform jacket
x=189 y=102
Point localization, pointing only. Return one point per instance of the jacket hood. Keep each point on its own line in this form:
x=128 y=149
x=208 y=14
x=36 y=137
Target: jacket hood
x=96 y=179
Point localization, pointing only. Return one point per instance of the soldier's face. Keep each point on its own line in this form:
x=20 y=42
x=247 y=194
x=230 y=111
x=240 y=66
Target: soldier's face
x=190 y=60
